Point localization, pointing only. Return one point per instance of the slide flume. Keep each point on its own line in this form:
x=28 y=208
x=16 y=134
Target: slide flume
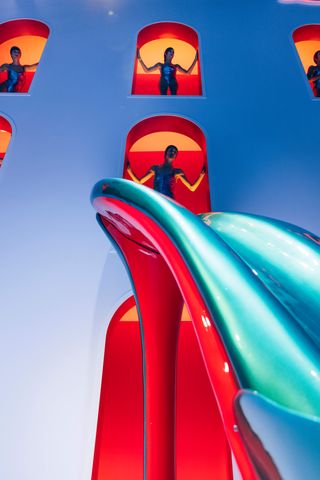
x=251 y=286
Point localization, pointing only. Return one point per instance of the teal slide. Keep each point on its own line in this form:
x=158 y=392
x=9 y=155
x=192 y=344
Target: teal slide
x=252 y=287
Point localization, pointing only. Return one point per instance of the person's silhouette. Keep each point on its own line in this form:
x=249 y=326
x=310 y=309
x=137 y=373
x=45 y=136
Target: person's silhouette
x=16 y=72
x=167 y=71
x=165 y=175
x=313 y=73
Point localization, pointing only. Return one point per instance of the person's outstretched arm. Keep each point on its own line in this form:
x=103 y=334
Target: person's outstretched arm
x=144 y=66
x=142 y=180
x=28 y=68
x=183 y=70
x=191 y=186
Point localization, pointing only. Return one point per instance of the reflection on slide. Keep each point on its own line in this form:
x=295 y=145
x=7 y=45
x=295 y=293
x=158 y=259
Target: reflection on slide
x=251 y=286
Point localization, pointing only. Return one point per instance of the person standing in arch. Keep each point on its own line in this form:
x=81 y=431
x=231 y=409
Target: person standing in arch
x=167 y=71
x=313 y=73
x=166 y=175
x=16 y=72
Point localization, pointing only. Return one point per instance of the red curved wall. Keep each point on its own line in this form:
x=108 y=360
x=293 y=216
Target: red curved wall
x=19 y=28
x=5 y=126
x=202 y=450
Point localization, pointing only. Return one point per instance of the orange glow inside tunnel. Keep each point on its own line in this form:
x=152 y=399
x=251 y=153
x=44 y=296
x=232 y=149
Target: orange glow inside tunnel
x=152 y=42
x=5 y=137
x=152 y=52
x=31 y=48
x=306 y=50
x=31 y=37
x=146 y=144
x=202 y=449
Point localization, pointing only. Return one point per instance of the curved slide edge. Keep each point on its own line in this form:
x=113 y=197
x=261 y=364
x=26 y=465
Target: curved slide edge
x=247 y=337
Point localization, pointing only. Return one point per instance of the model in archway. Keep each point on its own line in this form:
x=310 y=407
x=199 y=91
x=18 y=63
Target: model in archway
x=165 y=175
x=313 y=73
x=16 y=77
x=167 y=71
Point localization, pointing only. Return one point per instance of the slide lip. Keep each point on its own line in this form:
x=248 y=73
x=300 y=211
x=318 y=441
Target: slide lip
x=273 y=434
x=268 y=350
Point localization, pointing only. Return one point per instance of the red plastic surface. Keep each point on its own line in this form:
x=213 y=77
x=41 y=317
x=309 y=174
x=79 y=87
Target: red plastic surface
x=306 y=32
x=201 y=447
x=171 y=123
x=28 y=77
x=160 y=332
x=119 y=440
x=6 y=127
x=19 y=28
x=167 y=30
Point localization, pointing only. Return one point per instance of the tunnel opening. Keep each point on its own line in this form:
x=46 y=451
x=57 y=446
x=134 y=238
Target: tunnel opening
x=152 y=42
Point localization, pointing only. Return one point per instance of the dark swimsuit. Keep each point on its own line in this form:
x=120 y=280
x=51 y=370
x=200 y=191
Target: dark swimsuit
x=314 y=71
x=164 y=178
x=15 y=81
x=168 y=79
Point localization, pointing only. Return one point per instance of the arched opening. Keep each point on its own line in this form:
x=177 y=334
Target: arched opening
x=145 y=147
x=307 y=42
x=5 y=137
x=119 y=439
x=152 y=41
x=201 y=444
x=30 y=36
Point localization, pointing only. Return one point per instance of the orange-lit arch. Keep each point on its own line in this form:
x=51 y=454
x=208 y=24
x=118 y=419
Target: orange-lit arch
x=307 y=42
x=145 y=147
x=184 y=54
x=158 y=141
x=152 y=42
x=5 y=137
x=30 y=36
x=119 y=439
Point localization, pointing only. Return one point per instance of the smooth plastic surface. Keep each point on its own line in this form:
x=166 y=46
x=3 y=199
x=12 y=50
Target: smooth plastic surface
x=267 y=341
x=282 y=443
x=127 y=225
x=201 y=445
